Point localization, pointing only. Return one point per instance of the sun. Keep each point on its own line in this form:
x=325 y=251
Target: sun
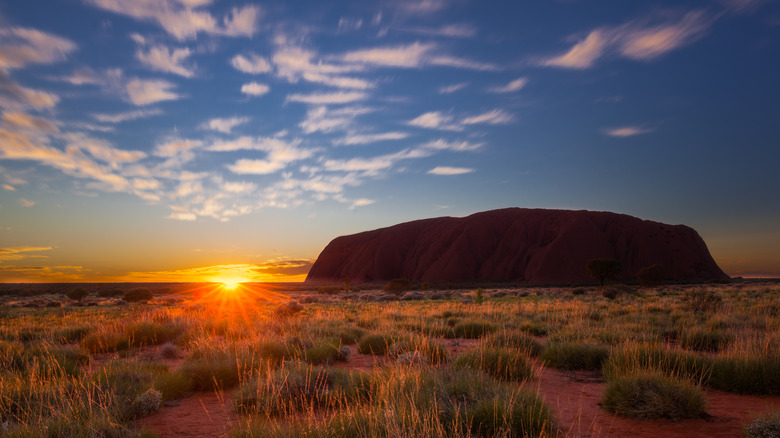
x=231 y=285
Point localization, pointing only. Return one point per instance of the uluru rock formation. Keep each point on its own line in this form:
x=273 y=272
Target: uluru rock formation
x=515 y=244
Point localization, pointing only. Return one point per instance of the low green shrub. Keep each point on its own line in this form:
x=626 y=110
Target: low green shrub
x=574 y=356
x=653 y=395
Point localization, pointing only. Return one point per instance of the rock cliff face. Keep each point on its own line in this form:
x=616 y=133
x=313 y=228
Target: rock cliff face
x=515 y=244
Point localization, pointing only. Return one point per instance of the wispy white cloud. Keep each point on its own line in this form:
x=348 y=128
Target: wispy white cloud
x=494 y=117
x=251 y=63
x=408 y=56
x=280 y=153
x=255 y=89
x=177 y=151
x=327 y=98
x=15 y=97
x=22 y=46
x=27 y=203
x=294 y=63
x=224 y=125
x=639 y=40
x=147 y=91
x=362 y=202
x=349 y=24
x=186 y=19
x=626 y=131
x=445 y=170
x=324 y=119
x=435 y=120
x=26 y=121
x=453 y=88
x=511 y=87
x=461 y=30
x=162 y=58
x=355 y=139
x=458 y=146
x=126 y=116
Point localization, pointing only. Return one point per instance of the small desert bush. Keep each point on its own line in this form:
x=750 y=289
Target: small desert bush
x=704 y=340
x=328 y=290
x=574 y=356
x=746 y=375
x=701 y=300
x=397 y=286
x=501 y=363
x=138 y=294
x=765 y=426
x=147 y=403
x=514 y=339
x=653 y=395
x=77 y=293
x=111 y=292
x=105 y=342
x=473 y=329
x=375 y=343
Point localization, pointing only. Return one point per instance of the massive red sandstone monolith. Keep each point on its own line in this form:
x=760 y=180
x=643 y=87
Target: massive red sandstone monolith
x=515 y=244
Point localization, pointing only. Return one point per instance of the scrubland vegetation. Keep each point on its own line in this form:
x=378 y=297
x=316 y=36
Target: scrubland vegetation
x=95 y=371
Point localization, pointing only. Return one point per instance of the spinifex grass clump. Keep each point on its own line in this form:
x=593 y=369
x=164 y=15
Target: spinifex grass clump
x=514 y=339
x=705 y=340
x=631 y=359
x=653 y=395
x=473 y=329
x=746 y=375
x=296 y=387
x=375 y=343
x=500 y=363
x=151 y=333
x=105 y=342
x=574 y=356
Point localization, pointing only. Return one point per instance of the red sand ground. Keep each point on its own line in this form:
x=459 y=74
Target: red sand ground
x=572 y=396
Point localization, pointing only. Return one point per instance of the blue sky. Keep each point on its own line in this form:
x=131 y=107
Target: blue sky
x=192 y=139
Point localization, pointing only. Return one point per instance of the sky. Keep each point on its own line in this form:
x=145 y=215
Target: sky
x=209 y=140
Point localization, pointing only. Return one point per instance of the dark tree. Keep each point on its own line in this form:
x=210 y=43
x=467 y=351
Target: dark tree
x=651 y=275
x=77 y=293
x=603 y=269
x=138 y=294
x=397 y=286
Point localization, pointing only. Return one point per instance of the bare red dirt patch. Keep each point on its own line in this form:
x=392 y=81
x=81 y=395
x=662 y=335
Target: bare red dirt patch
x=204 y=415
